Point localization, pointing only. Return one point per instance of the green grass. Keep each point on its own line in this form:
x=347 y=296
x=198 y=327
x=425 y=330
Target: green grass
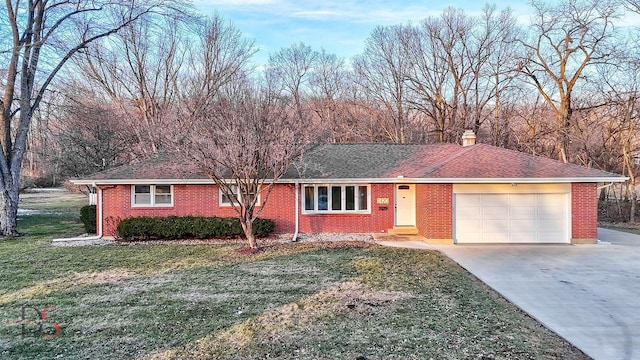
x=53 y=201
x=305 y=301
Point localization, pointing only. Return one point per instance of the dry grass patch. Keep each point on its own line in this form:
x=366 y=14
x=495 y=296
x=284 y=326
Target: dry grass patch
x=283 y=325
x=67 y=283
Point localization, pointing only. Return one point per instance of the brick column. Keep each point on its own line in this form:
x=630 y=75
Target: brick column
x=584 y=213
x=434 y=212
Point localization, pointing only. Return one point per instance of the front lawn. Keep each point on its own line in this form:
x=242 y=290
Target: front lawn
x=302 y=301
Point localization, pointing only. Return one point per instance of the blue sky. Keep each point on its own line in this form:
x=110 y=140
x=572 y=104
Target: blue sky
x=338 y=26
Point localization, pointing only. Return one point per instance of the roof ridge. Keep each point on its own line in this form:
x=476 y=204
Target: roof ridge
x=519 y=153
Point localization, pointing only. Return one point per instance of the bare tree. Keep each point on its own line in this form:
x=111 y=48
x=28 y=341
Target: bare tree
x=566 y=38
x=244 y=142
x=218 y=58
x=88 y=137
x=459 y=66
x=139 y=69
x=381 y=72
x=615 y=103
x=289 y=71
x=38 y=38
x=329 y=88
x=633 y=5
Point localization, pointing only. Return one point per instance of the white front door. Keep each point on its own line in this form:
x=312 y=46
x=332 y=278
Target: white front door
x=405 y=205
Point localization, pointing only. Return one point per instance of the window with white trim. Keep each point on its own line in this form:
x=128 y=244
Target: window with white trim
x=152 y=195
x=225 y=201
x=336 y=199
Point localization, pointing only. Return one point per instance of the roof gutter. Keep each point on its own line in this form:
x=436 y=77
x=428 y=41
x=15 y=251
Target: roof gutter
x=99 y=224
x=604 y=186
x=395 y=180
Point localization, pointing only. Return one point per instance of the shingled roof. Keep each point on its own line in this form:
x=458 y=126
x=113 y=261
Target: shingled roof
x=441 y=161
x=423 y=163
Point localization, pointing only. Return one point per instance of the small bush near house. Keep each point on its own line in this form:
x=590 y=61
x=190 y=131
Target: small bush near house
x=185 y=227
x=88 y=218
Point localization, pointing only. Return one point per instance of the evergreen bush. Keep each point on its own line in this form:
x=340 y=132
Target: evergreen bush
x=88 y=218
x=185 y=227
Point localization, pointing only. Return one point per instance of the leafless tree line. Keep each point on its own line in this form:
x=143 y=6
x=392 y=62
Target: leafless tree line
x=565 y=86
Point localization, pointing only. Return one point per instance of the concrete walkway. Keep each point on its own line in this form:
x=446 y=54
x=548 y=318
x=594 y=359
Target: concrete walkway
x=588 y=294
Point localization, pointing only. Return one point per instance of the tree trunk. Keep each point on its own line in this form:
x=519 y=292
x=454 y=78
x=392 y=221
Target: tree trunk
x=8 y=213
x=632 y=212
x=247 y=227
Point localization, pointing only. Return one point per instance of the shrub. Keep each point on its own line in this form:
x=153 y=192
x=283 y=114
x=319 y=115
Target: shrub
x=263 y=227
x=88 y=218
x=185 y=227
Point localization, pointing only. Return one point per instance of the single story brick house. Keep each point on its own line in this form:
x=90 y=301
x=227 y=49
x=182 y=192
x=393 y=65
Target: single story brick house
x=474 y=193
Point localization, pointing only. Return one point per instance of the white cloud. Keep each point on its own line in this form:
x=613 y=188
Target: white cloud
x=318 y=14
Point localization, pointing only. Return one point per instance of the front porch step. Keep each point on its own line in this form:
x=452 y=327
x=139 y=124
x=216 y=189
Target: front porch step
x=403 y=230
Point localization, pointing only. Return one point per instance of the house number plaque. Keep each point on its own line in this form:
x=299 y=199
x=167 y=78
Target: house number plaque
x=383 y=201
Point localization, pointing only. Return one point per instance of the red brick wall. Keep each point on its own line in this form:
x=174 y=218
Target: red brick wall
x=434 y=210
x=584 y=211
x=194 y=200
x=380 y=219
x=203 y=200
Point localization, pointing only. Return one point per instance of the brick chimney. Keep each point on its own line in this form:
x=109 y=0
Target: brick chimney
x=468 y=138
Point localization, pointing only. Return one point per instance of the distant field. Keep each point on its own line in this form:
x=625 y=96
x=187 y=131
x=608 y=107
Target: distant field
x=53 y=200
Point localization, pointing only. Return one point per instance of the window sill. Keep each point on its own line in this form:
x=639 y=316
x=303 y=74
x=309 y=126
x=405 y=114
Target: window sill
x=151 y=206
x=229 y=206
x=336 y=212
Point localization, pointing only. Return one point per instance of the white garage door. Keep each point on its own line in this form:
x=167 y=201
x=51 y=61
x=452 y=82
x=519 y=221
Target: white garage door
x=511 y=218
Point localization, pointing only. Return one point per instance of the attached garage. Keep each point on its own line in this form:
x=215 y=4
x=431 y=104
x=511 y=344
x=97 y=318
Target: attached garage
x=511 y=213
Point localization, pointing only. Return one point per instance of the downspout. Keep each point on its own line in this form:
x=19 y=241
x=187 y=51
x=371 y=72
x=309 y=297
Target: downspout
x=99 y=224
x=297 y=189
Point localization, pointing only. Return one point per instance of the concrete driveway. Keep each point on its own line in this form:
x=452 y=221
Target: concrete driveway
x=588 y=294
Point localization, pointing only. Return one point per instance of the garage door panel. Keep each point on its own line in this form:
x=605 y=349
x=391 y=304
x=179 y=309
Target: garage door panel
x=549 y=236
x=520 y=212
x=471 y=224
x=472 y=200
x=496 y=225
x=551 y=213
x=511 y=218
x=546 y=225
x=523 y=225
x=522 y=237
x=524 y=199
x=494 y=200
x=547 y=214
x=550 y=200
x=470 y=212
x=495 y=237
x=495 y=212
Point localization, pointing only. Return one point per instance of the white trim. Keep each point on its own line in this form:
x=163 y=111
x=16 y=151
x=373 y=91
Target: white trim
x=394 y=180
x=152 y=197
x=343 y=199
x=496 y=188
x=228 y=204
